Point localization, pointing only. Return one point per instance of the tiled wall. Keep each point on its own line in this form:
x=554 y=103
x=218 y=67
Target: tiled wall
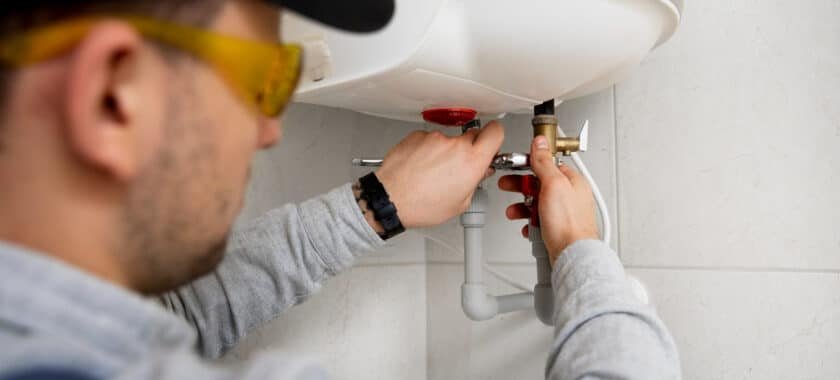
x=729 y=187
x=720 y=161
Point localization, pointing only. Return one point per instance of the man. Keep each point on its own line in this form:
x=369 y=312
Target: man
x=126 y=132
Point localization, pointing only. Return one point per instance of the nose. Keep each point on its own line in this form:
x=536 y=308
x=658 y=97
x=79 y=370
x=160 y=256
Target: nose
x=269 y=133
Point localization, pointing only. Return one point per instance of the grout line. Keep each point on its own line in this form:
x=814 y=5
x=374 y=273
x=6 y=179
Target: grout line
x=444 y=262
x=513 y=263
x=489 y=262
x=429 y=328
x=733 y=269
x=390 y=264
x=617 y=194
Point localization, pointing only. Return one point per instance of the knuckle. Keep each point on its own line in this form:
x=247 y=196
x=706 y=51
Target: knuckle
x=569 y=172
x=475 y=156
x=545 y=159
x=436 y=135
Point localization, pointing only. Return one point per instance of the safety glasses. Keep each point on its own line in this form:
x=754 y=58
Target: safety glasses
x=263 y=74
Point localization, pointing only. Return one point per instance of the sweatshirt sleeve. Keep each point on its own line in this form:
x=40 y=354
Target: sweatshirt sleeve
x=602 y=330
x=274 y=262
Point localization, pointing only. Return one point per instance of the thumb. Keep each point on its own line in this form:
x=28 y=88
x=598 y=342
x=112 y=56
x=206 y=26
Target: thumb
x=489 y=139
x=542 y=161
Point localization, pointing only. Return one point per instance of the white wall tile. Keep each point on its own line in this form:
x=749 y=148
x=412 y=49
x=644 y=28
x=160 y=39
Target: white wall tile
x=510 y=346
x=369 y=323
x=448 y=329
x=728 y=140
x=513 y=345
x=750 y=325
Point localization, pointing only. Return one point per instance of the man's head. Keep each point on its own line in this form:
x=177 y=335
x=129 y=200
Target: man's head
x=138 y=150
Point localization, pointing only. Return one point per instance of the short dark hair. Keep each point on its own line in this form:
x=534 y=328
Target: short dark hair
x=23 y=15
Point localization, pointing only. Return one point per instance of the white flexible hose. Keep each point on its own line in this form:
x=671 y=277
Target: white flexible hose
x=495 y=273
x=635 y=284
x=606 y=224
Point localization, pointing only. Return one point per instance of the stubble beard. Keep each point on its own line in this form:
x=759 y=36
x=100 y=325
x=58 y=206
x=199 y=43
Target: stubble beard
x=179 y=214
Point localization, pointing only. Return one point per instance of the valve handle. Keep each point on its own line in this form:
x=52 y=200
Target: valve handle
x=531 y=191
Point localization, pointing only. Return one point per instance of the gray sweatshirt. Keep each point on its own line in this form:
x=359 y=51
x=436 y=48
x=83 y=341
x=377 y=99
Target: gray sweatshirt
x=55 y=316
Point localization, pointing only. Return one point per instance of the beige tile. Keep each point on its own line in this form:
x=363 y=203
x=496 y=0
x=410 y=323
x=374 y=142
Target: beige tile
x=728 y=140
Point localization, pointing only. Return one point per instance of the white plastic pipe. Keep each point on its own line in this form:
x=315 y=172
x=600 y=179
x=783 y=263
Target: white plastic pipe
x=543 y=293
x=477 y=303
x=514 y=302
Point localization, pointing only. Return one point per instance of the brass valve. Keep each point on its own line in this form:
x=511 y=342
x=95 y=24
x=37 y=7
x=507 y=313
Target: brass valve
x=546 y=125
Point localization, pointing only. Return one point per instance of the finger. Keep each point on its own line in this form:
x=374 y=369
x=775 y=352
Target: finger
x=525 y=231
x=471 y=135
x=517 y=211
x=511 y=182
x=573 y=175
x=489 y=140
x=542 y=161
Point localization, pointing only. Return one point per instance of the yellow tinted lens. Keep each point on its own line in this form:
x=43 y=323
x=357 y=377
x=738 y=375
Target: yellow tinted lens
x=281 y=80
x=263 y=74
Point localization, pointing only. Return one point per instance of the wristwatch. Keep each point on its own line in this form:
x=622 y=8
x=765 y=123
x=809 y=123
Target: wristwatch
x=383 y=209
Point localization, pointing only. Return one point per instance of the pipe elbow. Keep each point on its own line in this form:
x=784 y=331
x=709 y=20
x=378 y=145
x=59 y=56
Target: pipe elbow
x=477 y=304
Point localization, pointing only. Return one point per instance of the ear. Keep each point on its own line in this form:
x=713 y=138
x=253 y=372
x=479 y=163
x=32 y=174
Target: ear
x=104 y=100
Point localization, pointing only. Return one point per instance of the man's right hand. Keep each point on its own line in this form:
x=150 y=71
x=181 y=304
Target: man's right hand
x=431 y=177
x=566 y=204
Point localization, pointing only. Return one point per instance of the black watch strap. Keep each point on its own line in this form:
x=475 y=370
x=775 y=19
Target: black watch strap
x=383 y=209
